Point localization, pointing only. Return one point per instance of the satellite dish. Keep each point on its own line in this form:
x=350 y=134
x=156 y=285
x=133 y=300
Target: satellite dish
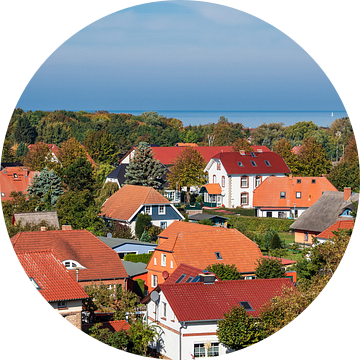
x=154 y=296
x=165 y=275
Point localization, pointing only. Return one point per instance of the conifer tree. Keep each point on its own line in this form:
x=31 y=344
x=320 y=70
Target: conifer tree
x=143 y=169
x=46 y=186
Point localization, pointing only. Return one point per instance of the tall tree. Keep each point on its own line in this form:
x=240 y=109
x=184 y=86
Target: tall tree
x=24 y=131
x=143 y=222
x=283 y=148
x=38 y=157
x=312 y=159
x=241 y=144
x=225 y=271
x=47 y=187
x=188 y=170
x=143 y=169
x=70 y=151
x=268 y=268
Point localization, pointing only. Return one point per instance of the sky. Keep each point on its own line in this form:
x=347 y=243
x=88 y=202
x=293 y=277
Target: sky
x=180 y=56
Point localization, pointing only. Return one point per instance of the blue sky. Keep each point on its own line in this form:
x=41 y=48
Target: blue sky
x=180 y=56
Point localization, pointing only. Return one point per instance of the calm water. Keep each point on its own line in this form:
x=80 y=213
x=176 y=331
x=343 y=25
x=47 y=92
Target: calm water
x=250 y=119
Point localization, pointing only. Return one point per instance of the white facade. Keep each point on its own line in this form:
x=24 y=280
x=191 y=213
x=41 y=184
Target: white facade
x=280 y=213
x=236 y=189
x=182 y=341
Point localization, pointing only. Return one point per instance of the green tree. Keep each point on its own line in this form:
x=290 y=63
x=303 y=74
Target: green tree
x=21 y=150
x=24 y=131
x=120 y=231
x=143 y=222
x=141 y=334
x=70 y=151
x=298 y=132
x=225 y=271
x=79 y=176
x=38 y=157
x=267 y=134
x=118 y=339
x=143 y=169
x=283 y=148
x=46 y=186
x=241 y=144
x=145 y=237
x=268 y=268
x=271 y=240
x=187 y=171
x=238 y=330
x=312 y=159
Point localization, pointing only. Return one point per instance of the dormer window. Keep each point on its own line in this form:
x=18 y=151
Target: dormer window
x=346 y=212
x=282 y=195
x=71 y=264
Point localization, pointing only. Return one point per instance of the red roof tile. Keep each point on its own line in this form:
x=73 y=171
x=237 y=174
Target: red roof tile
x=340 y=224
x=123 y=204
x=199 y=301
x=15 y=179
x=267 y=194
x=283 y=261
x=51 y=276
x=230 y=161
x=99 y=261
x=213 y=189
x=115 y=325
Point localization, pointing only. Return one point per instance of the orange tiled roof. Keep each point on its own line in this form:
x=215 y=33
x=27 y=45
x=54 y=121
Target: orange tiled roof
x=51 y=276
x=99 y=261
x=186 y=144
x=267 y=194
x=213 y=189
x=123 y=204
x=196 y=244
x=340 y=224
x=15 y=179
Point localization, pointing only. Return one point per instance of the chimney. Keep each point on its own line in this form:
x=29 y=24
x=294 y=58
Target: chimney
x=290 y=176
x=43 y=228
x=66 y=227
x=207 y=278
x=347 y=193
x=26 y=172
x=242 y=152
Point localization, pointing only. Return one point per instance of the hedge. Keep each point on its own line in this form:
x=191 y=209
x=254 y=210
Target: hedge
x=144 y=258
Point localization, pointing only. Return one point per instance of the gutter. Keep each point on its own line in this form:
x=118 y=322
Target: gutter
x=182 y=325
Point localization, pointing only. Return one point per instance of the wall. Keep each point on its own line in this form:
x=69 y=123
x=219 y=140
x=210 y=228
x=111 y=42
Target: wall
x=72 y=311
x=158 y=269
x=300 y=237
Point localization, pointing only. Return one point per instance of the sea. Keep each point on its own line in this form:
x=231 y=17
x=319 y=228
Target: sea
x=249 y=119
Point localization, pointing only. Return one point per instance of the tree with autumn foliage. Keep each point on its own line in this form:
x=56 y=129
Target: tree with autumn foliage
x=283 y=148
x=38 y=157
x=241 y=144
x=187 y=171
x=70 y=151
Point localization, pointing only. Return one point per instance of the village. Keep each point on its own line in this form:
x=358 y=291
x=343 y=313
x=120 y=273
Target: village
x=194 y=250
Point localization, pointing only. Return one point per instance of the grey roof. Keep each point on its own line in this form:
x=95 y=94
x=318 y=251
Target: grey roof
x=34 y=218
x=324 y=212
x=115 y=242
x=134 y=269
x=119 y=174
x=199 y=217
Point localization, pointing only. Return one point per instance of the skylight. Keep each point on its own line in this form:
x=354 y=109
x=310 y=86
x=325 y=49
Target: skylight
x=240 y=164
x=267 y=163
x=196 y=279
x=253 y=163
x=35 y=283
x=180 y=279
x=218 y=256
x=246 y=305
x=252 y=154
x=189 y=279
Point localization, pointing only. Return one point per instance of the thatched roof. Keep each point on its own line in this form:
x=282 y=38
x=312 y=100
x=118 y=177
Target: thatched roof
x=324 y=212
x=35 y=218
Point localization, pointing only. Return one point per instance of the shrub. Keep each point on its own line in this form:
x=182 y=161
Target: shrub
x=144 y=258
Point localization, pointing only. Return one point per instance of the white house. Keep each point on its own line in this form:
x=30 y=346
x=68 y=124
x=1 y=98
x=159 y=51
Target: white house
x=187 y=313
x=240 y=173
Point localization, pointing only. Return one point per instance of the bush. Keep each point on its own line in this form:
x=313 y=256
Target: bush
x=225 y=271
x=144 y=258
x=143 y=222
x=269 y=269
x=260 y=225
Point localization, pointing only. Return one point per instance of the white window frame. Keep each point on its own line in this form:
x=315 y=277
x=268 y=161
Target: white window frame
x=214 y=179
x=164 y=309
x=155 y=261
x=223 y=181
x=146 y=208
x=244 y=179
x=162 y=210
x=154 y=281
x=298 y=194
x=243 y=195
x=171 y=264
x=163 y=224
x=163 y=259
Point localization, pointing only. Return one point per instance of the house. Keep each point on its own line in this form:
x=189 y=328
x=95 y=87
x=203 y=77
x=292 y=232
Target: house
x=213 y=196
x=15 y=179
x=328 y=234
x=128 y=246
x=188 y=313
x=136 y=271
x=217 y=220
x=239 y=173
x=35 y=218
x=284 y=197
x=131 y=200
x=199 y=246
x=331 y=207
x=87 y=258
x=54 y=282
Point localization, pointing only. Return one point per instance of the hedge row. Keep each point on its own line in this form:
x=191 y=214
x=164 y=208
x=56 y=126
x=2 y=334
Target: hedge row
x=144 y=258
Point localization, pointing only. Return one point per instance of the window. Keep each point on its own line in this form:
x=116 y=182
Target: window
x=164 y=309
x=15 y=176
x=196 y=279
x=189 y=279
x=240 y=164
x=306 y=236
x=218 y=256
x=2 y=194
x=252 y=154
x=246 y=305
x=155 y=261
x=257 y=181
x=298 y=194
x=223 y=181
x=148 y=209
x=214 y=179
x=282 y=195
x=298 y=181
x=244 y=182
x=71 y=264
x=244 y=199
x=269 y=214
x=180 y=279
x=171 y=264
x=153 y=281
x=218 y=166
x=346 y=212
x=161 y=209
x=61 y=304
x=199 y=350
x=267 y=163
x=313 y=181
x=35 y=283
x=253 y=163
x=163 y=224
x=214 y=349
x=163 y=259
